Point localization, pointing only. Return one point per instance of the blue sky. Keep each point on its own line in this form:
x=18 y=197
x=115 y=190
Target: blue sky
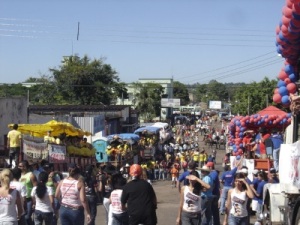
x=189 y=40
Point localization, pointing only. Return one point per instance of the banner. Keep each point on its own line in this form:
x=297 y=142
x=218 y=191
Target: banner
x=289 y=164
x=57 y=153
x=35 y=152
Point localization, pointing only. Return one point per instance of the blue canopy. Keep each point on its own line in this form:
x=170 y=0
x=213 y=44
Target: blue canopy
x=125 y=136
x=149 y=129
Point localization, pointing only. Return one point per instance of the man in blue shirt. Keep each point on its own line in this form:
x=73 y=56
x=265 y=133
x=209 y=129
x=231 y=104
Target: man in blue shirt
x=207 y=196
x=226 y=179
x=277 y=140
x=214 y=174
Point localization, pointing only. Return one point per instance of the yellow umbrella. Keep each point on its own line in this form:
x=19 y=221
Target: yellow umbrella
x=56 y=128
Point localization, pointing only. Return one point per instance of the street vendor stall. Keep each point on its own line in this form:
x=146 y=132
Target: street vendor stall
x=65 y=146
x=121 y=148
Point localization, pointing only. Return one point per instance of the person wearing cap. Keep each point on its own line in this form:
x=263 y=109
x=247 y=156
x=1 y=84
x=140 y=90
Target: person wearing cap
x=206 y=195
x=71 y=192
x=181 y=178
x=214 y=174
x=273 y=178
x=139 y=199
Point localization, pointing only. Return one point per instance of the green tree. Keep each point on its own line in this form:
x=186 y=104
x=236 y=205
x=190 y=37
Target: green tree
x=180 y=91
x=87 y=82
x=253 y=97
x=148 y=99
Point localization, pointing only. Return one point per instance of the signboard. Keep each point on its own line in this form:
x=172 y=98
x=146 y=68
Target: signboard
x=35 y=152
x=215 y=104
x=57 y=153
x=170 y=102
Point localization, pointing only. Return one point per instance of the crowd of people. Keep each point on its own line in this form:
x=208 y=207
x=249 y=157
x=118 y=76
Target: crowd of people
x=41 y=195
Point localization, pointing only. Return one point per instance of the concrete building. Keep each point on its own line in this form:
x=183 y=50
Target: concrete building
x=166 y=83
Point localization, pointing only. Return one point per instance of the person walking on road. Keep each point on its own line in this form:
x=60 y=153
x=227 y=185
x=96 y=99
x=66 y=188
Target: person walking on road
x=191 y=167
x=189 y=212
x=14 y=144
x=238 y=196
x=139 y=198
x=71 y=193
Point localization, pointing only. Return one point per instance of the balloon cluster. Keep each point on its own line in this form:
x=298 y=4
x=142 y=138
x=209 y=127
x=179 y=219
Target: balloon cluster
x=288 y=46
x=238 y=125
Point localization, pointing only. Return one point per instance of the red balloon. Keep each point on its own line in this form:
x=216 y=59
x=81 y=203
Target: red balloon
x=276 y=90
x=287 y=11
x=289 y=4
x=292 y=87
x=283 y=75
x=240 y=150
x=285 y=21
x=277 y=29
x=277 y=98
x=284 y=30
x=287 y=80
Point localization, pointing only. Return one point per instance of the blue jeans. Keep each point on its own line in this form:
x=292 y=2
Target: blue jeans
x=28 y=215
x=190 y=218
x=215 y=210
x=233 y=220
x=92 y=201
x=276 y=158
x=70 y=216
x=40 y=216
x=120 y=219
x=223 y=198
x=206 y=210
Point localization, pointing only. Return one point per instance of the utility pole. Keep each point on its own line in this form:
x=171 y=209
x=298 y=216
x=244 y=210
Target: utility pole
x=248 y=105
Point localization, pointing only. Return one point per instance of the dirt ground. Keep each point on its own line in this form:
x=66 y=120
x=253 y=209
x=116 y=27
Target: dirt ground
x=168 y=197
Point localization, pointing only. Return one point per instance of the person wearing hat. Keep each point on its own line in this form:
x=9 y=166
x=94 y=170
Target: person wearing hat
x=206 y=195
x=71 y=192
x=139 y=198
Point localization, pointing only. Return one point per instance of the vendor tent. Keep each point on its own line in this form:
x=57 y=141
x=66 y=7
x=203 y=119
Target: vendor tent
x=272 y=110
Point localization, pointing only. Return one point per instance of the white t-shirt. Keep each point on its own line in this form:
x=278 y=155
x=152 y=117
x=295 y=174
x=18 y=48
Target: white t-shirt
x=44 y=204
x=116 y=205
x=21 y=188
x=8 y=210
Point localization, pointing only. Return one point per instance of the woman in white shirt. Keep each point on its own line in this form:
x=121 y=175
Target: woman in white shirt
x=42 y=197
x=9 y=199
x=189 y=212
x=238 y=196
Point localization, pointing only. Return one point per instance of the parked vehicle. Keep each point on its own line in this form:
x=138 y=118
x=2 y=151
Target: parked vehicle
x=282 y=200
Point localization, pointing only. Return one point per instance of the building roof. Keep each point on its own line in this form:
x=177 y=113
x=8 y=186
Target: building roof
x=68 y=108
